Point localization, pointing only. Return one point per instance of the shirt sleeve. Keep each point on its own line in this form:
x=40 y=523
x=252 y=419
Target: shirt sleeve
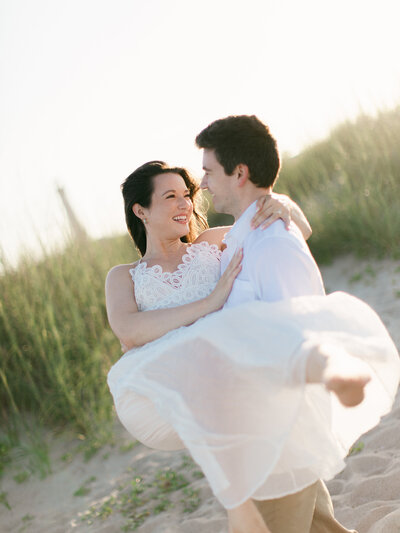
x=279 y=269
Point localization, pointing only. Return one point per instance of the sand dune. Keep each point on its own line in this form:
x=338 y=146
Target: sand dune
x=366 y=494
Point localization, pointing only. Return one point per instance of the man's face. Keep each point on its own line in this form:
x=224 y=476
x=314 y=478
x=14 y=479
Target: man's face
x=219 y=184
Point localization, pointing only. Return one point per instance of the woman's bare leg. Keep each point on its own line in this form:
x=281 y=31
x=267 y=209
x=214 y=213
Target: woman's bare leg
x=342 y=374
x=246 y=519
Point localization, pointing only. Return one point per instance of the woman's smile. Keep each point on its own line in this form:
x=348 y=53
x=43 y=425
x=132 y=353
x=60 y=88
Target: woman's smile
x=181 y=219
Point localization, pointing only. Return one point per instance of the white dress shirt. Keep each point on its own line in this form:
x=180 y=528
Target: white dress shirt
x=277 y=263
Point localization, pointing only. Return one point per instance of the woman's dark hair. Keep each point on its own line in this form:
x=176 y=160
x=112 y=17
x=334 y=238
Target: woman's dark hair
x=138 y=189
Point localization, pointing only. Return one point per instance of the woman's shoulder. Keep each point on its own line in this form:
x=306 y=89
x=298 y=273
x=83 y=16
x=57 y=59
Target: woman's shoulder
x=121 y=272
x=213 y=235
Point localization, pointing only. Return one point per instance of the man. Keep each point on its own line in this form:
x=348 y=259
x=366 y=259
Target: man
x=241 y=164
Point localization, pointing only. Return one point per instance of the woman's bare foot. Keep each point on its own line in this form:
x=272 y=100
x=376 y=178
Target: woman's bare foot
x=246 y=519
x=347 y=376
x=342 y=374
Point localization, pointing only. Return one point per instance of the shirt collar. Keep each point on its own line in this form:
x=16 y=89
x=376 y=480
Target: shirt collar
x=242 y=227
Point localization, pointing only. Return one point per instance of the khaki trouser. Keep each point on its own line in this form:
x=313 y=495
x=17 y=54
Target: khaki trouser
x=307 y=511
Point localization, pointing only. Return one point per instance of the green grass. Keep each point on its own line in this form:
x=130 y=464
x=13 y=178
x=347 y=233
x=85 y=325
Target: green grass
x=357 y=448
x=191 y=500
x=22 y=476
x=349 y=188
x=55 y=343
x=144 y=496
x=4 y=500
x=5 y=448
x=85 y=489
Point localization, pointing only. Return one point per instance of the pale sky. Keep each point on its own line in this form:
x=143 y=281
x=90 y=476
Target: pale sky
x=91 y=89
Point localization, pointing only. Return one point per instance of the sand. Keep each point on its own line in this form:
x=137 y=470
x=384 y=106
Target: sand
x=366 y=495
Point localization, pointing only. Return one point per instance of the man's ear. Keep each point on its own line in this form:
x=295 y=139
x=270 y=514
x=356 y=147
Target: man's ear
x=243 y=174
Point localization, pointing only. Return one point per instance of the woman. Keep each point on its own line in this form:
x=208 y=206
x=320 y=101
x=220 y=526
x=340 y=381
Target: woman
x=159 y=389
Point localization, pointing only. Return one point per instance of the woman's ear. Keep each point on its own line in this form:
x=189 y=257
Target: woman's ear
x=138 y=211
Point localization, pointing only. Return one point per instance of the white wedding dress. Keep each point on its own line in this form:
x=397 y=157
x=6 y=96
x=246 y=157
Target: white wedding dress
x=231 y=387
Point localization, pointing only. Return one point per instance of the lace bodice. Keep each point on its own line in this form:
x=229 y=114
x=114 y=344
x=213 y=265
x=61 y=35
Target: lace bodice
x=194 y=279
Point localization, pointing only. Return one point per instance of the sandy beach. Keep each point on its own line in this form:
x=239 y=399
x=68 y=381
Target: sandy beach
x=126 y=487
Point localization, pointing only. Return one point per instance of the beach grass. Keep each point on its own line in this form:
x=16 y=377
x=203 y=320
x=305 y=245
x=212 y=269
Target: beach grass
x=56 y=346
x=349 y=187
x=55 y=343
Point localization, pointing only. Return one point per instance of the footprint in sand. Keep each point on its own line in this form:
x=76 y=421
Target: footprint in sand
x=383 y=487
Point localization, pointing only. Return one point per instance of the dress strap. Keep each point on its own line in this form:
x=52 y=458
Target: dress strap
x=132 y=271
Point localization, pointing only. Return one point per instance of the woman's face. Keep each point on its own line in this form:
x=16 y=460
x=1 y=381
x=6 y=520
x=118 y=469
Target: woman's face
x=171 y=207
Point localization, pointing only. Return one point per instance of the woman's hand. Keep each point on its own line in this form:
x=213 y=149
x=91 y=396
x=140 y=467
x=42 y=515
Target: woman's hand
x=223 y=288
x=273 y=206
x=270 y=208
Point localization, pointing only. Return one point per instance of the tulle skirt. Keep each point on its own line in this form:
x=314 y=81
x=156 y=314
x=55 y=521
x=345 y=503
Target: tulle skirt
x=231 y=388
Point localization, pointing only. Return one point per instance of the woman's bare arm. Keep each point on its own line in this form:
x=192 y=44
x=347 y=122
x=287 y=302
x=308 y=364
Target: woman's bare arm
x=135 y=328
x=270 y=208
x=301 y=221
x=275 y=206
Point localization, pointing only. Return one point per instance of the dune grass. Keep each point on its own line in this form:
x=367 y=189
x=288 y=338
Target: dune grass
x=56 y=346
x=55 y=343
x=349 y=187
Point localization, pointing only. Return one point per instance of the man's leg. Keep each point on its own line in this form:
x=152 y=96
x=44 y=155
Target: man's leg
x=246 y=519
x=290 y=514
x=323 y=520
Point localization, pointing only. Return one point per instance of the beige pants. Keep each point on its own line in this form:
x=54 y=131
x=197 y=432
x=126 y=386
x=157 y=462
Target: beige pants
x=307 y=511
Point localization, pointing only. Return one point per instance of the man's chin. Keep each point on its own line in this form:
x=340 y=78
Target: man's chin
x=218 y=206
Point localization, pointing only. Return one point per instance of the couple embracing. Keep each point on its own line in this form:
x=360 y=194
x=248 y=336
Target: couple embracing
x=232 y=348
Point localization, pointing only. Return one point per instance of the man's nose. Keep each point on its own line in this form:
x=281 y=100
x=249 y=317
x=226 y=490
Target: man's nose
x=203 y=183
